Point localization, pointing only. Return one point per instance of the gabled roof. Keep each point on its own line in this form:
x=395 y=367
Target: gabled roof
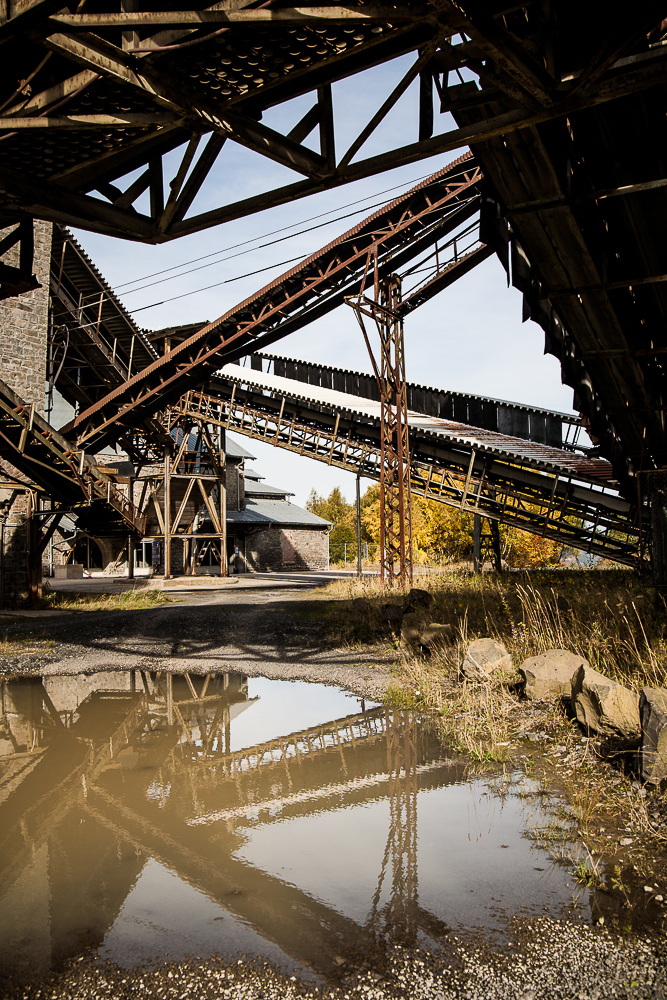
x=258 y=490
x=276 y=512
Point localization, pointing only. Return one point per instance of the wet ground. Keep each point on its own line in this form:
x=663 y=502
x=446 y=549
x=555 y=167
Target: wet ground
x=222 y=834
x=253 y=630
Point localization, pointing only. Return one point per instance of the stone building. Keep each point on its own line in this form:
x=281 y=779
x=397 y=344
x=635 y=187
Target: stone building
x=270 y=534
x=75 y=319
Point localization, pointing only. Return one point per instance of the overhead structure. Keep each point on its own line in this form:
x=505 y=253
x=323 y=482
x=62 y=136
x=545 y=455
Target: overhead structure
x=67 y=475
x=389 y=368
x=551 y=492
x=113 y=119
x=94 y=103
x=400 y=231
x=522 y=420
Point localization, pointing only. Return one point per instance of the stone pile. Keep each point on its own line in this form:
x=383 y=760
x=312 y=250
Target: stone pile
x=602 y=706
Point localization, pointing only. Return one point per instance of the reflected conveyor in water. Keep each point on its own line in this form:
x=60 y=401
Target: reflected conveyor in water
x=109 y=780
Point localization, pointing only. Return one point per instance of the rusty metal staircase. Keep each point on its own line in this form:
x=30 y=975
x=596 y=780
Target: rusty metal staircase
x=66 y=474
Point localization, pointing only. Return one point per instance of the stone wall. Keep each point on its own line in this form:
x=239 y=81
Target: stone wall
x=24 y=325
x=23 y=338
x=282 y=550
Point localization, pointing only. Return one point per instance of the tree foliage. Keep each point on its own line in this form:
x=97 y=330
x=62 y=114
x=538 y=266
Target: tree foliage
x=438 y=530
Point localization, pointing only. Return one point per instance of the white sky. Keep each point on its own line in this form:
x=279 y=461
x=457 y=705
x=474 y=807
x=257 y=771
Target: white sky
x=468 y=338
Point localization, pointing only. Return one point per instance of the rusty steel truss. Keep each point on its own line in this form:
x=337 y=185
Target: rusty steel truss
x=573 y=507
x=66 y=474
x=391 y=236
x=112 y=119
x=395 y=494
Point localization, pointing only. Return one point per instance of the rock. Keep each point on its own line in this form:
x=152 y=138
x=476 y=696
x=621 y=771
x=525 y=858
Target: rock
x=603 y=706
x=435 y=634
x=362 y=605
x=419 y=598
x=549 y=675
x=559 y=605
x=653 y=714
x=392 y=615
x=411 y=637
x=485 y=657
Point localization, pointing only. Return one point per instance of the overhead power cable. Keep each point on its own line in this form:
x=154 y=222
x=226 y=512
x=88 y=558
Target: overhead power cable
x=362 y=202
x=226 y=281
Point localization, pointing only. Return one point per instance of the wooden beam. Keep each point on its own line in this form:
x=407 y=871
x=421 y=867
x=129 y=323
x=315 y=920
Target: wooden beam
x=506 y=51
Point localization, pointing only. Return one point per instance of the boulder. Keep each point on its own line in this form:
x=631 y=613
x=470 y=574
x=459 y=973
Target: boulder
x=392 y=615
x=484 y=658
x=419 y=598
x=435 y=634
x=362 y=605
x=411 y=638
x=603 y=706
x=653 y=714
x=549 y=675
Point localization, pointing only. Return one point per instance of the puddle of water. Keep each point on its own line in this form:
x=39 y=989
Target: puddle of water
x=147 y=817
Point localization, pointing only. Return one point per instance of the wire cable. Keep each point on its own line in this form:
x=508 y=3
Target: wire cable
x=362 y=202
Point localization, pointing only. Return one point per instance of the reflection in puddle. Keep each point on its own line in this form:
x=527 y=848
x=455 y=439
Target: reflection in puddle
x=145 y=816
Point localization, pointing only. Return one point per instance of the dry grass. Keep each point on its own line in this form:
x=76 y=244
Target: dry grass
x=608 y=616
x=129 y=600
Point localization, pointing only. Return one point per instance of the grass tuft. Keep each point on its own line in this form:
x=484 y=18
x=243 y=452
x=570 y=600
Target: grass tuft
x=128 y=600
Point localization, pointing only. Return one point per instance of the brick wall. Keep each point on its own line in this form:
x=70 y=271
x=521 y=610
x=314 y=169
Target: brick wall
x=235 y=485
x=284 y=549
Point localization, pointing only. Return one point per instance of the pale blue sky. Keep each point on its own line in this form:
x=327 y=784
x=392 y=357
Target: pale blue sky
x=468 y=338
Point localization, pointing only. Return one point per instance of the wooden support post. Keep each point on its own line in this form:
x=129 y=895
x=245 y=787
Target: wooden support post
x=34 y=552
x=167 y=513
x=170 y=699
x=130 y=557
x=359 y=567
x=223 y=501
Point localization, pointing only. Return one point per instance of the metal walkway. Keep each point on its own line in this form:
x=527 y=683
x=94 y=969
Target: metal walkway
x=66 y=474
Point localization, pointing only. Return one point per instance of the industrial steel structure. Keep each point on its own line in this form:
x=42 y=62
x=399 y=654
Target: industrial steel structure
x=113 y=119
x=535 y=477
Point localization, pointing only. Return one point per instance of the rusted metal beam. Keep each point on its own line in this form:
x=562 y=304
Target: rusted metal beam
x=217 y=15
x=499 y=486
x=398 y=226
x=88 y=121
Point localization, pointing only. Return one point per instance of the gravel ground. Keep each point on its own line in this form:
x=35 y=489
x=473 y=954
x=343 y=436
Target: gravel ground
x=248 y=631
x=547 y=960
x=255 y=633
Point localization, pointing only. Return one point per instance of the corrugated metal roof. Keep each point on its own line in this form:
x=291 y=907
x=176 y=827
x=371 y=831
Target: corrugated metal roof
x=569 y=417
x=235 y=450
x=276 y=512
x=527 y=452
x=232 y=447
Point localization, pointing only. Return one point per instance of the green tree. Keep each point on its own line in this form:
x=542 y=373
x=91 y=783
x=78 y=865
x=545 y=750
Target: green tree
x=342 y=515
